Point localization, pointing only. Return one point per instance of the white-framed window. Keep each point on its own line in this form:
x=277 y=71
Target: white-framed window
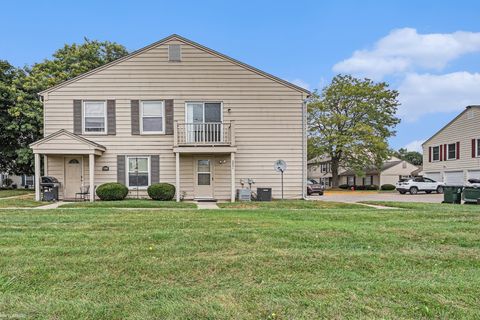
x=451 y=151
x=29 y=180
x=94 y=117
x=436 y=153
x=138 y=172
x=152 y=115
x=478 y=148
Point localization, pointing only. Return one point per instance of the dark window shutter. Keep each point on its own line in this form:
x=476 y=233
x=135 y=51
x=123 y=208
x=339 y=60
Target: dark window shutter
x=458 y=150
x=77 y=116
x=155 y=169
x=445 y=152
x=111 y=117
x=441 y=152
x=23 y=180
x=135 y=111
x=121 y=169
x=474 y=151
x=169 y=116
x=429 y=154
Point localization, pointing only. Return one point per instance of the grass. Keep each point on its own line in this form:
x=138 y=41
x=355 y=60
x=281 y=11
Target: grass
x=287 y=204
x=26 y=201
x=426 y=206
x=131 y=203
x=337 y=263
x=14 y=192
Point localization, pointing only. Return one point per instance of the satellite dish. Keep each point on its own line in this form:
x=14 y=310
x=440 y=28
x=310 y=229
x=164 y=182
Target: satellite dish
x=280 y=166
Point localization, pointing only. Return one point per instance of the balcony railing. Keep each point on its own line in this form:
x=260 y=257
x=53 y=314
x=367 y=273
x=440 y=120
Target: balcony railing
x=204 y=134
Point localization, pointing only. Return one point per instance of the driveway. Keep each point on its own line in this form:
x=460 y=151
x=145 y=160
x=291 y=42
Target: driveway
x=357 y=196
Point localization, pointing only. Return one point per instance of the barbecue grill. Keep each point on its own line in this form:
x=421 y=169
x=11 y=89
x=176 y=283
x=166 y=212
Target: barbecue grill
x=49 y=188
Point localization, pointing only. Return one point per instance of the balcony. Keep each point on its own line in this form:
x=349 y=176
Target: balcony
x=204 y=134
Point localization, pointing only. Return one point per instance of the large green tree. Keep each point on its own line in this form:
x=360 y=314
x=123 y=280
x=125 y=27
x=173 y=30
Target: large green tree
x=414 y=157
x=21 y=117
x=350 y=121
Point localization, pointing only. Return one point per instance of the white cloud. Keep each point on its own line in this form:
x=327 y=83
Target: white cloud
x=404 y=50
x=301 y=83
x=422 y=94
x=415 y=145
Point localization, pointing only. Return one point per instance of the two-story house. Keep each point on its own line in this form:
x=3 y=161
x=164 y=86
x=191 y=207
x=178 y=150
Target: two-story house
x=452 y=154
x=177 y=112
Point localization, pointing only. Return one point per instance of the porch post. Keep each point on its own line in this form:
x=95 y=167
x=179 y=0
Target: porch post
x=91 y=171
x=37 y=177
x=45 y=165
x=177 y=174
x=232 y=174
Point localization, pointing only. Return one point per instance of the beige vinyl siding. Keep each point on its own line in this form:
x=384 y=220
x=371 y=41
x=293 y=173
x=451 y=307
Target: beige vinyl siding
x=268 y=115
x=462 y=130
x=391 y=175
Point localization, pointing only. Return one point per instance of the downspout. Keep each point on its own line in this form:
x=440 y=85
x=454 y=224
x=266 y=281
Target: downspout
x=304 y=147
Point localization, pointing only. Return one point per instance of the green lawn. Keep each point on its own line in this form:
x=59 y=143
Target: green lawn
x=14 y=192
x=288 y=204
x=338 y=263
x=131 y=203
x=26 y=201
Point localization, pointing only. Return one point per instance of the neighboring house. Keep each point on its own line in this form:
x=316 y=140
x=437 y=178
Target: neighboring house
x=177 y=112
x=390 y=172
x=452 y=155
x=21 y=181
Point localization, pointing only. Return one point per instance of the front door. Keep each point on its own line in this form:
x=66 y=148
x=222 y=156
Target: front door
x=203 y=178
x=73 y=176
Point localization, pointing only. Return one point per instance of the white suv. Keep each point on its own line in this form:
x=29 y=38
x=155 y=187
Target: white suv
x=414 y=185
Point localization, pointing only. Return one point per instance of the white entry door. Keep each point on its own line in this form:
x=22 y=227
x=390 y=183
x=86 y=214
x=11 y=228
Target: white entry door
x=73 y=176
x=204 y=178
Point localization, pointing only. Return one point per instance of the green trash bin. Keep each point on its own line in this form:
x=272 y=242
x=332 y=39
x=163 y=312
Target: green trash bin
x=452 y=194
x=471 y=194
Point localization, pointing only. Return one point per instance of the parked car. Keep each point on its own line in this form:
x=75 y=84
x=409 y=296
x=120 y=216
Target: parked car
x=414 y=185
x=314 y=187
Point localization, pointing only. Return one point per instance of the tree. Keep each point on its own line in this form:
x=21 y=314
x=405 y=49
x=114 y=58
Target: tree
x=414 y=157
x=351 y=121
x=21 y=118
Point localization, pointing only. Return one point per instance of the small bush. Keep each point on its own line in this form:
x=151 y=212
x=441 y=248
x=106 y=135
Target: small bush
x=360 y=188
x=7 y=182
x=112 y=191
x=371 y=187
x=388 y=187
x=344 y=186
x=161 y=191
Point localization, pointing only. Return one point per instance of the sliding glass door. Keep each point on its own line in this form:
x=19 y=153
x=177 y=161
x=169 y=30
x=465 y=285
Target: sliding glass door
x=204 y=122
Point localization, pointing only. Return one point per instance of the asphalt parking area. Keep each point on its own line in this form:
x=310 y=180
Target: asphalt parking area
x=357 y=196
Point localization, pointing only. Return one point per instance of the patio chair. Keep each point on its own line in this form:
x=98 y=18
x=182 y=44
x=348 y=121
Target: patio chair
x=83 y=194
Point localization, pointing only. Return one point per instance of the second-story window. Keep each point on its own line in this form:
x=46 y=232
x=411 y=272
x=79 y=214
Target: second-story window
x=94 y=117
x=153 y=120
x=452 y=151
x=436 y=153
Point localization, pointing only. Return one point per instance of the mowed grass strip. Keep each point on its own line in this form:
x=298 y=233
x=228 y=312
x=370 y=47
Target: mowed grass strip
x=25 y=201
x=15 y=192
x=243 y=264
x=130 y=203
x=289 y=204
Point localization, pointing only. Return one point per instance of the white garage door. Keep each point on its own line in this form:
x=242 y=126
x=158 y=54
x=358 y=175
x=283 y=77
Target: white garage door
x=436 y=176
x=473 y=174
x=454 y=178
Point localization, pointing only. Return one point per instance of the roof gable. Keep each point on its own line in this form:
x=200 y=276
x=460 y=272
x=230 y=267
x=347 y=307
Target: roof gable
x=188 y=42
x=74 y=141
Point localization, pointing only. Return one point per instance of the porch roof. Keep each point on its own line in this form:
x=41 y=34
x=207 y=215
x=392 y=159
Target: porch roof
x=65 y=142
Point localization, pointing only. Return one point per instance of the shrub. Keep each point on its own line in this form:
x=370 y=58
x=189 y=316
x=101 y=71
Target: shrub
x=371 y=187
x=360 y=188
x=112 y=191
x=388 y=187
x=344 y=186
x=161 y=191
x=7 y=182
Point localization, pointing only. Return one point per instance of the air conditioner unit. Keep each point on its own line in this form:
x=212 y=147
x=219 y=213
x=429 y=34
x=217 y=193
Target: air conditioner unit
x=244 y=194
x=264 y=194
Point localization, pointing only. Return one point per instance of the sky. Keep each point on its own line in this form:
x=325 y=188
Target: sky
x=427 y=50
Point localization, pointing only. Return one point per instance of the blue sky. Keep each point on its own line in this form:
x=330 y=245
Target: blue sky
x=429 y=50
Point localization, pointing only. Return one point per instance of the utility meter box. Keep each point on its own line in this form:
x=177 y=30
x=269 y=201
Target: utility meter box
x=244 y=194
